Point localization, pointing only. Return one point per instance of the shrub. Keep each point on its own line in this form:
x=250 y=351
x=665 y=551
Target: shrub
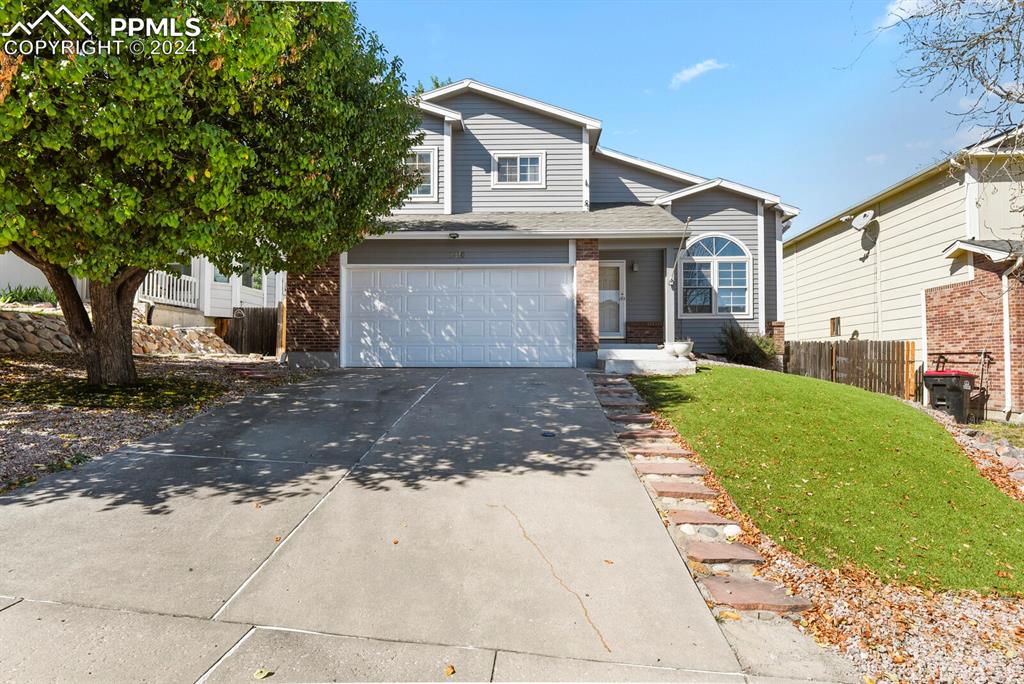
x=750 y=349
x=27 y=295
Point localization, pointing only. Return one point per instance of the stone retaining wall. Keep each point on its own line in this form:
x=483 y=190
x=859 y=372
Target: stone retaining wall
x=22 y=332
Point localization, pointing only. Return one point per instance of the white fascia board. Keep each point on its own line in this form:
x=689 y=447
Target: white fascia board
x=788 y=210
x=960 y=246
x=525 y=235
x=521 y=100
x=648 y=165
x=738 y=188
x=449 y=115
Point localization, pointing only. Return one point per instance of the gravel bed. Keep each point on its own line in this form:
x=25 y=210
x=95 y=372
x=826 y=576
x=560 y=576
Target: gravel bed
x=891 y=632
x=36 y=439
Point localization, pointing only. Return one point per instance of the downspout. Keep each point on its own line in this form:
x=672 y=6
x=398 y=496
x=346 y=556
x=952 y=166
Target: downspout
x=1007 y=359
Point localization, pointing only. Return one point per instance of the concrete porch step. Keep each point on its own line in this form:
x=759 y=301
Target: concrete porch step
x=671 y=468
x=685 y=516
x=643 y=362
x=670 y=366
x=748 y=594
x=722 y=552
x=647 y=434
x=682 y=490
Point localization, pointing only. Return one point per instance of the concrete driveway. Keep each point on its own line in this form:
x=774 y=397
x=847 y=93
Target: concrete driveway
x=364 y=525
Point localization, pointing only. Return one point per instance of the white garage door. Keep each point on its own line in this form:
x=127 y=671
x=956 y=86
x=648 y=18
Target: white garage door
x=488 y=316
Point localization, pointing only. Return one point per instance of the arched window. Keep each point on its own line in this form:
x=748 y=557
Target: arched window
x=716 y=278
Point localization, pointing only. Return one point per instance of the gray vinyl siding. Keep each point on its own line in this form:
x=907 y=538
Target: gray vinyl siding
x=771 y=277
x=613 y=181
x=270 y=284
x=432 y=128
x=472 y=252
x=720 y=211
x=493 y=126
x=645 y=288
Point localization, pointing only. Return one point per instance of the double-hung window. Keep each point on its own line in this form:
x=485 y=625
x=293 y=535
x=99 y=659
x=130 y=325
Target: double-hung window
x=422 y=163
x=715 y=279
x=517 y=169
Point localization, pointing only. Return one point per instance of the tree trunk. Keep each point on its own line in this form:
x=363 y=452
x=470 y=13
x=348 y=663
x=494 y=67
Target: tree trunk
x=105 y=342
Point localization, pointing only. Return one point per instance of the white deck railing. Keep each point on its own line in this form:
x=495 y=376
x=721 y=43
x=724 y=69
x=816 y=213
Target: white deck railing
x=161 y=287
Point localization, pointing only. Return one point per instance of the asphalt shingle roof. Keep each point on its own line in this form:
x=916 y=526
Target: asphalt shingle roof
x=601 y=218
x=1011 y=246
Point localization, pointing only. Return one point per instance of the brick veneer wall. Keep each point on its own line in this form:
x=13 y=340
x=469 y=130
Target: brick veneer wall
x=587 y=297
x=777 y=331
x=314 y=310
x=965 y=319
x=645 y=332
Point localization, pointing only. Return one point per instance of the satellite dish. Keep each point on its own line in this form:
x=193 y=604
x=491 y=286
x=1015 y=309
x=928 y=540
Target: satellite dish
x=862 y=219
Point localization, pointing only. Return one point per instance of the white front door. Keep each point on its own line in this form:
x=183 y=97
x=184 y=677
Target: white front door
x=458 y=316
x=612 y=298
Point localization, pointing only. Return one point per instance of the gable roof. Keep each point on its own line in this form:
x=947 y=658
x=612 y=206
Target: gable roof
x=468 y=84
x=648 y=165
x=996 y=250
x=449 y=115
x=770 y=200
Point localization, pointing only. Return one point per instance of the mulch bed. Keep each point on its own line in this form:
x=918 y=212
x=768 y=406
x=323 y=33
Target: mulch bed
x=891 y=632
x=41 y=436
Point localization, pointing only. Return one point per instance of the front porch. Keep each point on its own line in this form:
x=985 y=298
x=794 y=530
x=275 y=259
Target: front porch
x=626 y=306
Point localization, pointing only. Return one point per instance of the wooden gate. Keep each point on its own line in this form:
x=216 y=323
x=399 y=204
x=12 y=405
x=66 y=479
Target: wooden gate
x=253 y=330
x=885 y=366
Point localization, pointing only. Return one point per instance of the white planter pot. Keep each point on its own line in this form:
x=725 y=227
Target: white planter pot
x=679 y=349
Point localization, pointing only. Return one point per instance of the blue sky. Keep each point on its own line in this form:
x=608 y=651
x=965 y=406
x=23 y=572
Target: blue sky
x=797 y=98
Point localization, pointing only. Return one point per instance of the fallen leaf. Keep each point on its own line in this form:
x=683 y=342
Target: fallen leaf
x=277 y=540
x=609 y=562
x=449 y=670
x=395 y=540
x=261 y=673
x=729 y=615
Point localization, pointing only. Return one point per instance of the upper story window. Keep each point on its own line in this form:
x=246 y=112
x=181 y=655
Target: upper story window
x=715 y=278
x=422 y=161
x=517 y=169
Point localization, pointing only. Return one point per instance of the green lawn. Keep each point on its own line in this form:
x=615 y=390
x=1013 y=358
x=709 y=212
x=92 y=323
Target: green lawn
x=838 y=474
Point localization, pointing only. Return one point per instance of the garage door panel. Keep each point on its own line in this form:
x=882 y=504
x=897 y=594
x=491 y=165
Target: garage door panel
x=499 y=316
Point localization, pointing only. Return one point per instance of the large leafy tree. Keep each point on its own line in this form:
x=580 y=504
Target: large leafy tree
x=278 y=143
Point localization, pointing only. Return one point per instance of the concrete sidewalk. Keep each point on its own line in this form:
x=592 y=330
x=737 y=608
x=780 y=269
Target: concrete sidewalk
x=366 y=525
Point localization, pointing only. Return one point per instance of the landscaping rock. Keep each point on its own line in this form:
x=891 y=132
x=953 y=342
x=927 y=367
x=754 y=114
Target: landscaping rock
x=31 y=333
x=748 y=594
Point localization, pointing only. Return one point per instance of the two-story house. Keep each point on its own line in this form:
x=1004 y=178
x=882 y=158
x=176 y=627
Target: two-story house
x=528 y=244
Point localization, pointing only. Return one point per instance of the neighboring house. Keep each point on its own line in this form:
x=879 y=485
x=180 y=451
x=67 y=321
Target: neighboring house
x=194 y=296
x=937 y=264
x=528 y=244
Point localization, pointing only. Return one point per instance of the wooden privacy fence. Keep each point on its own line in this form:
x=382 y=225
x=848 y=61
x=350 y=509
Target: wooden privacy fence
x=253 y=330
x=885 y=366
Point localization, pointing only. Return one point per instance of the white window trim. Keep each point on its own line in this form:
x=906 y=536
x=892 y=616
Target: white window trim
x=432 y=197
x=714 y=261
x=542 y=183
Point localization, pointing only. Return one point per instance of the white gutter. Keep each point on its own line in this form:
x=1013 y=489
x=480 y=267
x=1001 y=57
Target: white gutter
x=1007 y=347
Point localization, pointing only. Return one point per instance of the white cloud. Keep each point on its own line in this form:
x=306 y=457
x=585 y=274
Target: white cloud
x=692 y=72
x=917 y=144
x=897 y=10
x=875 y=159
